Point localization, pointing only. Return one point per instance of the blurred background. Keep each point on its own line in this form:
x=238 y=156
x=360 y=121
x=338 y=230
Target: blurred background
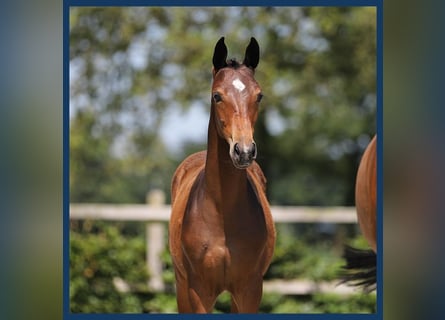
x=140 y=96
x=139 y=100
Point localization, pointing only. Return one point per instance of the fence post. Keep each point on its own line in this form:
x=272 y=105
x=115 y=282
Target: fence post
x=155 y=240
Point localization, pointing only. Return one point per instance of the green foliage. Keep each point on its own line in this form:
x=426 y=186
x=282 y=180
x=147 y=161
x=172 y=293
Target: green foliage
x=305 y=254
x=102 y=253
x=319 y=303
x=99 y=254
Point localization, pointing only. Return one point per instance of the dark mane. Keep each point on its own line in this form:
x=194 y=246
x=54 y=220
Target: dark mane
x=233 y=63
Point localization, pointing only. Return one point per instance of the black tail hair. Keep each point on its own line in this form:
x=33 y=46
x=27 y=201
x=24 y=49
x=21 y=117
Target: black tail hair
x=360 y=269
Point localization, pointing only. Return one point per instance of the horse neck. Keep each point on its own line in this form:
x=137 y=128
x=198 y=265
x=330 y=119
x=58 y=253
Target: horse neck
x=225 y=183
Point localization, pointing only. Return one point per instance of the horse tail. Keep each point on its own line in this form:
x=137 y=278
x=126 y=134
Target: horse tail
x=360 y=268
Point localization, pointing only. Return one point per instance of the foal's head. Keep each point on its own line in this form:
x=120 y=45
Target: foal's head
x=235 y=99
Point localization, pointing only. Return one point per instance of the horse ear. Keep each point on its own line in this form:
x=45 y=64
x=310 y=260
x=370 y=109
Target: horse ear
x=252 y=56
x=220 y=55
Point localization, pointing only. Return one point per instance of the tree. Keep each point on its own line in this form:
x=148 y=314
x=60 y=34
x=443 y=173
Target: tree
x=131 y=66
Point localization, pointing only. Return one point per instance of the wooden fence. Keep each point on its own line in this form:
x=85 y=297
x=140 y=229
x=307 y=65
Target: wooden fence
x=156 y=213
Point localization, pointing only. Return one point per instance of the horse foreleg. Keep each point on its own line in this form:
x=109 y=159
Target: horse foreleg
x=182 y=297
x=248 y=299
x=233 y=306
x=193 y=298
x=190 y=302
x=201 y=303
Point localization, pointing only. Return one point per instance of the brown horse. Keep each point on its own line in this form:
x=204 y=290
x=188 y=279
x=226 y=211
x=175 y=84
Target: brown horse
x=221 y=233
x=360 y=269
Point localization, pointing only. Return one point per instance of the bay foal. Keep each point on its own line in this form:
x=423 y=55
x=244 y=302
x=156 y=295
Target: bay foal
x=221 y=233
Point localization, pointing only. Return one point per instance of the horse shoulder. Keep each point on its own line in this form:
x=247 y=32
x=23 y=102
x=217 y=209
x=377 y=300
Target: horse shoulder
x=182 y=182
x=188 y=169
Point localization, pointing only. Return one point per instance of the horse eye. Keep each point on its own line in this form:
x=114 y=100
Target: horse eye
x=217 y=97
x=259 y=97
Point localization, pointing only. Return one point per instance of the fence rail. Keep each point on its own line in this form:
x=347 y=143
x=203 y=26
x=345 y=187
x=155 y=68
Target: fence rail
x=161 y=213
x=156 y=213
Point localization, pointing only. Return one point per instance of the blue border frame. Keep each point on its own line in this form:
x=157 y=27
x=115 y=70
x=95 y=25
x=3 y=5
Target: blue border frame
x=379 y=66
x=379 y=73
x=224 y=3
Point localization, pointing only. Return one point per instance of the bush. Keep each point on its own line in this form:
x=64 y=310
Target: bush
x=108 y=272
x=100 y=257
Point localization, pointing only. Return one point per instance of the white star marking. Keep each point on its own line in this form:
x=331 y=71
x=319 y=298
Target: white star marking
x=238 y=84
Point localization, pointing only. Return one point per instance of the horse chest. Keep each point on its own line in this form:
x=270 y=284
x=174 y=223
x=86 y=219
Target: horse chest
x=222 y=246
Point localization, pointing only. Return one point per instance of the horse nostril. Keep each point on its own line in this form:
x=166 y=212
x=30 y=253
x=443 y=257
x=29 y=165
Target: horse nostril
x=253 y=150
x=237 y=150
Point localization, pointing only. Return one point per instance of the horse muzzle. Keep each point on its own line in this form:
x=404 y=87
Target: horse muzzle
x=243 y=154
